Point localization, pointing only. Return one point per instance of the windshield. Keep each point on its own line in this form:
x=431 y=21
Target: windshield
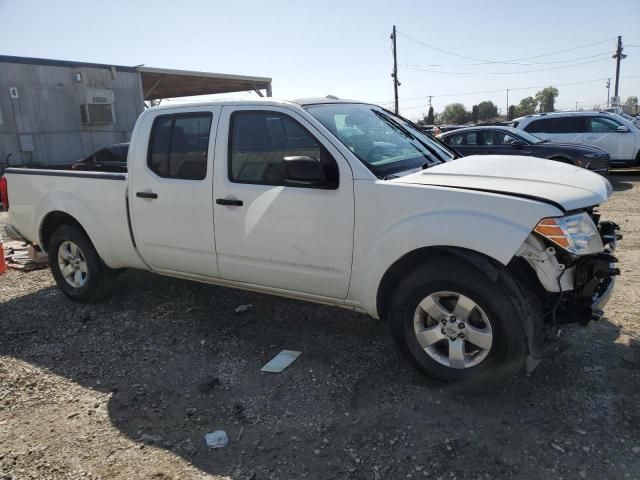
x=526 y=136
x=385 y=143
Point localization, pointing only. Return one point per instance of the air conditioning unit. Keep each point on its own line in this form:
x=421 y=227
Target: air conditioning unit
x=96 y=113
x=97 y=107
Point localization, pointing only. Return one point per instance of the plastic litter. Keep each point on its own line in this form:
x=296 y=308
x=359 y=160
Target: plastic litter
x=243 y=308
x=281 y=361
x=217 y=439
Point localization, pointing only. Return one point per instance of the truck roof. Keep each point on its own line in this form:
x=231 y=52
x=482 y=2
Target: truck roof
x=264 y=101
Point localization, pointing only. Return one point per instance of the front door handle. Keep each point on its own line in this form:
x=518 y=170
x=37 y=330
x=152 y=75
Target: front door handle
x=229 y=201
x=146 y=195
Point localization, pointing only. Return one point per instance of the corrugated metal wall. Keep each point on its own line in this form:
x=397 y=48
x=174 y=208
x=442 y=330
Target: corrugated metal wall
x=48 y=110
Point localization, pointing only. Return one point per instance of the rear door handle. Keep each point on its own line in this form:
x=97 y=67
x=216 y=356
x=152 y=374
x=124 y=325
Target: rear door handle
x=146 y=195
x=229 y=201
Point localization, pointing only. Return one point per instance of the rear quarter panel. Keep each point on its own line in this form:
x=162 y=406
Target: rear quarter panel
x=98 y=204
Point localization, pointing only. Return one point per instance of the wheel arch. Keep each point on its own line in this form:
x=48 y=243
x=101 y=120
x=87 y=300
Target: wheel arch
x=52 y=221
x=410 y=261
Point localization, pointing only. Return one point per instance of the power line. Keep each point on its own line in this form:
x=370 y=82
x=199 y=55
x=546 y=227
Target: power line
x=511 y=60
x=500 y=90
x=505 y=73
x=431 y=65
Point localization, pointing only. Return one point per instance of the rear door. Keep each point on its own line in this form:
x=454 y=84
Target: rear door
x=467 y=143
x=603 y=132
x=270 y=232
x=170 y=191
x=561 y=129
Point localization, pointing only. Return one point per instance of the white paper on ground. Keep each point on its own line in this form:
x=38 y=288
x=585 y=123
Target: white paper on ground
x=281 y=361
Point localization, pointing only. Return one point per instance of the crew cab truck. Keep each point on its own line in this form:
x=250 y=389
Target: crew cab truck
x=342 y=203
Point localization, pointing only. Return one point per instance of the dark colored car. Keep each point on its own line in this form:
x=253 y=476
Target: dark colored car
x=510 y=141
x=108 y=159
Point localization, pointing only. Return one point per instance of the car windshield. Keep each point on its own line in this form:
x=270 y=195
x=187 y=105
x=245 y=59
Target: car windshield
x=526 y=136
x=385 y=143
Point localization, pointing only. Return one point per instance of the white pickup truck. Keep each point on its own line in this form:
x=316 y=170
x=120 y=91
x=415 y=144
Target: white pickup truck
x=341 y=203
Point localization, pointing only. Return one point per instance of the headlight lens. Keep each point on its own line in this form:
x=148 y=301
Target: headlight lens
x=575 y=233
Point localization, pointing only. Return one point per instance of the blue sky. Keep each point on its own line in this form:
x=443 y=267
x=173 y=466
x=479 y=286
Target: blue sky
x=343 y=48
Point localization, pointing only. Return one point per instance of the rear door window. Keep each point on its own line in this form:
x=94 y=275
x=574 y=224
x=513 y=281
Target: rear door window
x=178 y=146
x=557 y=125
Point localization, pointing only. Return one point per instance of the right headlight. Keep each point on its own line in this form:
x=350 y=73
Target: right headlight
x=575 y=233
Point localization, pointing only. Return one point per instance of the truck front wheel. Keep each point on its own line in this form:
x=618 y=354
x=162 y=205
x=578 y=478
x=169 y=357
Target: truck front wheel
x=458 y=324
x=75 y=265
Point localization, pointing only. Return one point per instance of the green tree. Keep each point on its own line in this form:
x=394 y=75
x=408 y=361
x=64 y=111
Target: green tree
x=454 y=113
x=430 y=118
x=474 y=114
x=630 y=107
x=527 y=106
x=487 y=110
x=511 y=114
x=547 y=98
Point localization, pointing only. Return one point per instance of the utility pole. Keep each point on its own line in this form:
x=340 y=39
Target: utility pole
x=507 y=104
x=618 y=56
x=608 y=90
x=396 y=83
x=576 y=106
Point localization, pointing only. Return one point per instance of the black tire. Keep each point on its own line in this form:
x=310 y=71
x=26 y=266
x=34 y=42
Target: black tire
x=93 y=288
x=502 y=301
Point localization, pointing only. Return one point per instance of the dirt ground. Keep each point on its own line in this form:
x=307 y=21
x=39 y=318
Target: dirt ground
x=128 y=388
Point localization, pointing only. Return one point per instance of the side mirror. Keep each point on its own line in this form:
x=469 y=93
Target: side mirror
x=304 y=171
x=622 y=129
x=518 y=143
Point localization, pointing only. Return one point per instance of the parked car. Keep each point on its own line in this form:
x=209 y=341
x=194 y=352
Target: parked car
x=341 y=203
x=511 y=141
x=608 y=131
x=108 y=159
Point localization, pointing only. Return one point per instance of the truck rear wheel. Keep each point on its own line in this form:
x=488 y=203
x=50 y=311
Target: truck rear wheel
x=459 y=325
x=75 y=265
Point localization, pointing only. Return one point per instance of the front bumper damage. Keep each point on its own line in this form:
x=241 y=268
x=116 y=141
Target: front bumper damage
x=595 y=276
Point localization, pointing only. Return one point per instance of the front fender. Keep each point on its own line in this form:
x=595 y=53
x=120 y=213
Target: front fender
x=495 y=236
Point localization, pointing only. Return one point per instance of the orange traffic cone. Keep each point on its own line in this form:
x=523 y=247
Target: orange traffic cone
x=3 y=263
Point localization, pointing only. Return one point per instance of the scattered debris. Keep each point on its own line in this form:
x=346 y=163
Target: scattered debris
x=23 y=256
x=557 y=447
x=243 y=308
x=281 y=361
x=217 y=439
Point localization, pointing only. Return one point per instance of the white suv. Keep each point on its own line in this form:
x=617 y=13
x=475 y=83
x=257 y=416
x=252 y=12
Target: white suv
x=612 y=133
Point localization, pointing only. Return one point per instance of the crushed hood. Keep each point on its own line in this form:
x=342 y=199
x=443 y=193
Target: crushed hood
x=565 y=185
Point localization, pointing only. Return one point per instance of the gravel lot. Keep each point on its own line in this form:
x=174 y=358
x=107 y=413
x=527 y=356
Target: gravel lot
x=128 y=388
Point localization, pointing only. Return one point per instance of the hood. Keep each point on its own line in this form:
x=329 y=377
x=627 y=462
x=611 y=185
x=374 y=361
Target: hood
x=563 y=185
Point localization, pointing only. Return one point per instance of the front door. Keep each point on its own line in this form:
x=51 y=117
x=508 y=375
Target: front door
x=170 y=192
x=272 y=232
x=603 y=132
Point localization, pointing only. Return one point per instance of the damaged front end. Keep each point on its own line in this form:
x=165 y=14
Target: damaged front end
x=595 y=276
x=573 y=258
